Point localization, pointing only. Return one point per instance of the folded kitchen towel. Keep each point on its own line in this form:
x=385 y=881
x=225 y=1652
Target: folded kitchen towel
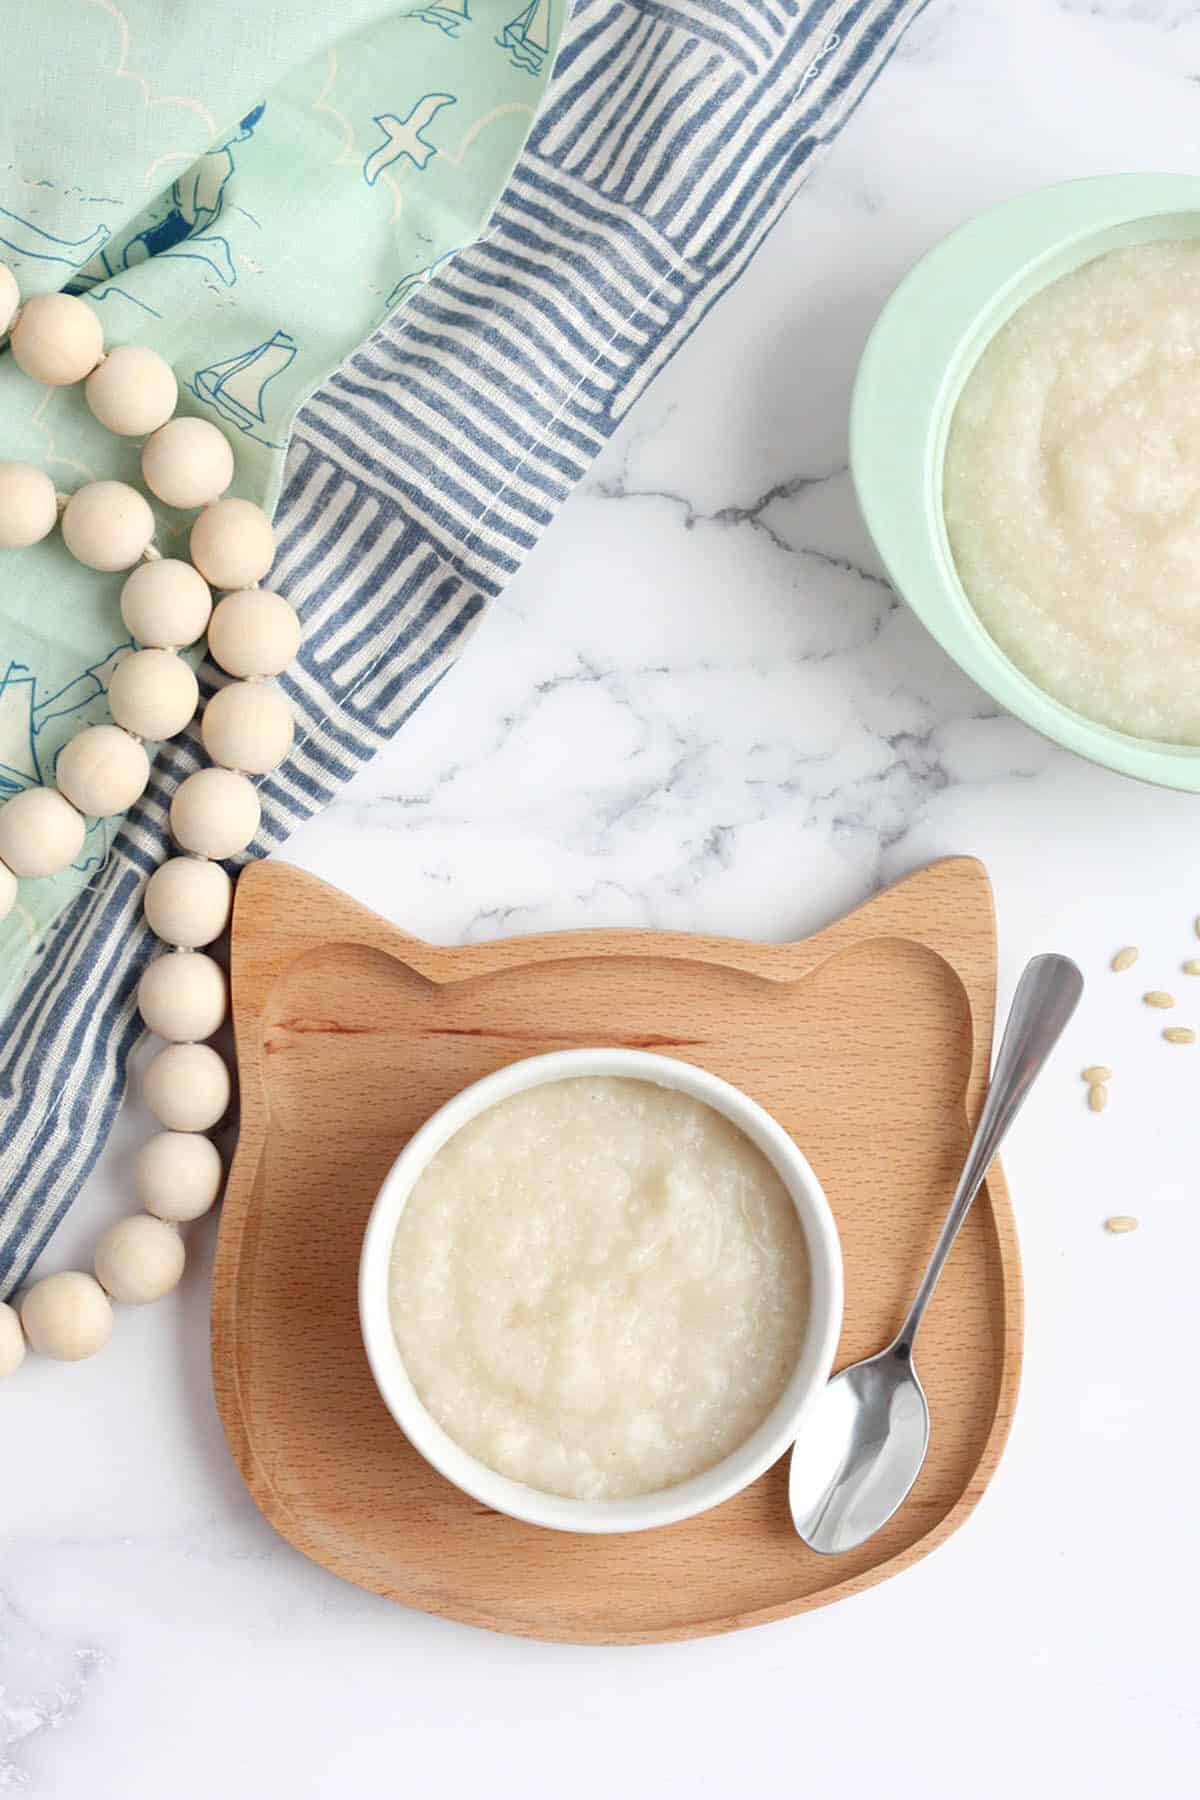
x=355 y=148
x=671 y=136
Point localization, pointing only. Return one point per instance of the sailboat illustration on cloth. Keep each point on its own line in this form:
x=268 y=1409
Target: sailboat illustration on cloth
x=448 y=15
x=527 y=36
x=18 y=757
x=237 y=385
x=27 y=710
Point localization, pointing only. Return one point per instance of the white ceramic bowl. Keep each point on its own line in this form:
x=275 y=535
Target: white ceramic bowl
x=725 y=1478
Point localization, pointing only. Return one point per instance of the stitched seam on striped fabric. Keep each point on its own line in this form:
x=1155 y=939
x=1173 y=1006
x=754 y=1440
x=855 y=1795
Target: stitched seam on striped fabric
x=597 y=400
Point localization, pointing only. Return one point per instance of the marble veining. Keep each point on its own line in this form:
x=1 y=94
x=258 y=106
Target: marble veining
x=43 y=1683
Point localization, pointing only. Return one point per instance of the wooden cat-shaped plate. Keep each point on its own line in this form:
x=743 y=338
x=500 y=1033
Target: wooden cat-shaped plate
x=870 y=1042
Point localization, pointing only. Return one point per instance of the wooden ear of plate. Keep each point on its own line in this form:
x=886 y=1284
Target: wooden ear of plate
x=870 y=1042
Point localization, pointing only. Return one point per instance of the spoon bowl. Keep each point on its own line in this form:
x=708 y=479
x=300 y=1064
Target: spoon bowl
x=870 y=1426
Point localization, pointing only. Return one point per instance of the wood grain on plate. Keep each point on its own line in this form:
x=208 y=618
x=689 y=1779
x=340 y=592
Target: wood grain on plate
x=869 y=1041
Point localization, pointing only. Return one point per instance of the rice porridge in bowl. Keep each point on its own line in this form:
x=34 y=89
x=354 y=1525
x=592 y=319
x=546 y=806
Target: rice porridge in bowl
x=599 y=1287
x=1071 y=489
x=606 y=1291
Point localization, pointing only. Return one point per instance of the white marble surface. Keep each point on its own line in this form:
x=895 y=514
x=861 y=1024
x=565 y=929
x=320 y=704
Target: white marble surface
x=701 y=707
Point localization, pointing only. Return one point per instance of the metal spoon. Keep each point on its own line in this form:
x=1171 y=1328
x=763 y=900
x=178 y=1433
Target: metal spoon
x=863 y=1440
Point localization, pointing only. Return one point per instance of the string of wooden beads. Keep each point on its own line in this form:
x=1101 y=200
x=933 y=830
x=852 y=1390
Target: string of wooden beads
x=246 y=729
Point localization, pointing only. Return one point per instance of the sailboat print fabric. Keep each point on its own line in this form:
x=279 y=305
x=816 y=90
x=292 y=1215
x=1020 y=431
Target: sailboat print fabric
x=254 y=268
x=672 y=135
x=526 y=36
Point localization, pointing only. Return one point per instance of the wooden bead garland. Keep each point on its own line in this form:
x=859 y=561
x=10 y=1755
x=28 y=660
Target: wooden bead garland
x=102 y=771
x=107 y=525
x=183 y=998
x=10 y=299
x=247 y=728
x=12 y=1338
x=67 y=1316
x=187 y=902
x=28 y=506
x=41 y=833
x=232 y=543
x=187 y=1087
x=56 y=338
x=178 y=1175
x=166 y=605
x=132 y=392
x=187 y=463
x=153 y=694
x=140 y=1258
x=253 y=633
x=215 y=813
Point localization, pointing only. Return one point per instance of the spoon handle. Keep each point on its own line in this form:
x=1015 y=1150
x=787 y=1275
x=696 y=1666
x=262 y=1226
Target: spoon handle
x=1047 y=994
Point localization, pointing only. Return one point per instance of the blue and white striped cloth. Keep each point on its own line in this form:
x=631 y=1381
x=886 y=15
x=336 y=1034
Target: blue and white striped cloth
x=673 y=135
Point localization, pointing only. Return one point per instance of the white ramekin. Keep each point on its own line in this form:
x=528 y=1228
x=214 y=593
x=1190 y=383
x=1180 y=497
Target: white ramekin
x=733 y=1472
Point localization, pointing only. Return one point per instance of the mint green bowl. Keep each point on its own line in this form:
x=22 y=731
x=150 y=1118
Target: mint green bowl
x=927 y=340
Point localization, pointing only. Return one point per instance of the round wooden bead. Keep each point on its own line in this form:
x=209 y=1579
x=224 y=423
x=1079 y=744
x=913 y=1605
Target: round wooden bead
x=10 y=298
x=232 y=544
x=248 y=726
x=57 y=339
x=166 y=604
x=12 y=1338
x=8 y=890
x=41 y=833
x=253 y=632
x=133 y=391
x=67 y=1316
x=139 y=1259
x=187 y=902
x=102 y=771
x=28 y=506
x=153 y=693
x=215 y=813
x=182 y=997
x=177 y=1175
x=187 y=1087
x=187 y=464
x=107 y=525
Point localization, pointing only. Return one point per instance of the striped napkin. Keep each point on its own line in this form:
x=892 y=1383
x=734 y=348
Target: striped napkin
x=672 y=136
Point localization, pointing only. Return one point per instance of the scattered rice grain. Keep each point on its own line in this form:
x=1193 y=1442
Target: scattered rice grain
x=1096 y=1073
x=1156 y=997
x=1098 y=1096
x=1179 y=1034
x=1125 y=959
x=1121 y=1222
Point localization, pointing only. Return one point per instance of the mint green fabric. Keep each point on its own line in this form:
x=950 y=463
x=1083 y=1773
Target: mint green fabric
x=249 y=188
